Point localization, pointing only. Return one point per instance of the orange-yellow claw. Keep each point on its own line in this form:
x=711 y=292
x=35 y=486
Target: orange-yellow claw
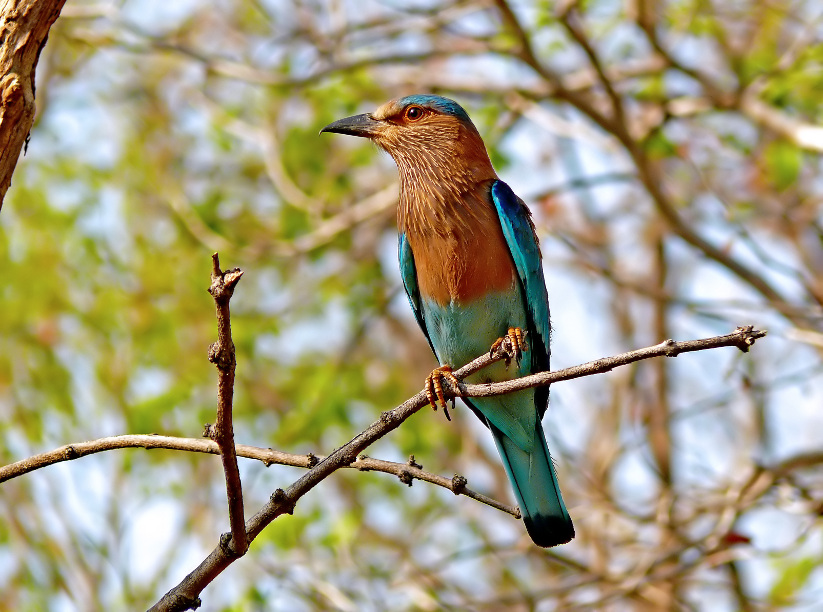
x=518 y=343
x=434 y=387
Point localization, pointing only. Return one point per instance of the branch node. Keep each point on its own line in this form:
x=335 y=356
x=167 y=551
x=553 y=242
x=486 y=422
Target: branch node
x=71 y=453
x=280 y=498
x=209 y=431
x=414 y=463
x=362 y=468
x=311 y=460
x=227 y=548
x=748 y=334
x=183 y=603
x=223 y=283
x=405 y=477
x=459 y=484
x=221 y=357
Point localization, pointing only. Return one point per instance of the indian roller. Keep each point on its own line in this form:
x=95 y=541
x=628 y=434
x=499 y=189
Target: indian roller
x=472 y=270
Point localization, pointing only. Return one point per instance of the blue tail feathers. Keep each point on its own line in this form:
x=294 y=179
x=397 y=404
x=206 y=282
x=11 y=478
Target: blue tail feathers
x=535 y=486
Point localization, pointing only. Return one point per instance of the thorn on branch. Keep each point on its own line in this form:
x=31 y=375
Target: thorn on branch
x=459 y=484
x=414 y=463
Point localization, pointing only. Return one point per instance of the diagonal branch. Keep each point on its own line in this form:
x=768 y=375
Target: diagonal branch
x=185 y=596
x=572 y=22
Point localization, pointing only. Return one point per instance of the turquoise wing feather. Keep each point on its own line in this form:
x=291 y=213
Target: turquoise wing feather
x=408 y=273
x=532 y=472
x=518 y=230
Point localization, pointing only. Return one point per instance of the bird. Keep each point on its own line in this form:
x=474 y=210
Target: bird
x=471 y=266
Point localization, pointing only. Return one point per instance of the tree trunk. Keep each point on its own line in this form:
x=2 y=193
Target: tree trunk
x=24 y=28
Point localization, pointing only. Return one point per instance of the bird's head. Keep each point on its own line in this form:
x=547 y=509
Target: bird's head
x=429 y=137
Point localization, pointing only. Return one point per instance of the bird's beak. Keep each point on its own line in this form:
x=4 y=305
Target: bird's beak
x=358 y=125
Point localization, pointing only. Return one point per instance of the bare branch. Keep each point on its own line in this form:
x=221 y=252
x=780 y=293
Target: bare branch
x=405 y=472
x=222 y=355
x=742 y=338
x=571 y=20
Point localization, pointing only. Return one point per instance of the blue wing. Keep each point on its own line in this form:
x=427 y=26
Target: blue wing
x=408 y=272
x=518 y=230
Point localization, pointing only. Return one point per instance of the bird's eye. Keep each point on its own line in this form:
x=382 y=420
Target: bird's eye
x=413 y=113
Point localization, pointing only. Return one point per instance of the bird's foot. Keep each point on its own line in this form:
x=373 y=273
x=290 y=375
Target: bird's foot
x=434 y=387
x=512 y=344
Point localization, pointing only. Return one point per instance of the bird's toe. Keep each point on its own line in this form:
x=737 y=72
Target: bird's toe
x=434 y=387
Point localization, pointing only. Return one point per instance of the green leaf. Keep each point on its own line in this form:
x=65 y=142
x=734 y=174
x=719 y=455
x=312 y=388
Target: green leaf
x=783 y=162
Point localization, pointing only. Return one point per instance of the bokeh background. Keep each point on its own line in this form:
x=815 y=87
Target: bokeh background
x=671 y=154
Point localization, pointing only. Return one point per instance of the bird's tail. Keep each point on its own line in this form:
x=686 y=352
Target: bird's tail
x=535 y=486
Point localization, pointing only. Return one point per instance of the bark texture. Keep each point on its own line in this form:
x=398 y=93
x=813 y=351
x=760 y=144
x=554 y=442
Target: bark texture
x=24 y=28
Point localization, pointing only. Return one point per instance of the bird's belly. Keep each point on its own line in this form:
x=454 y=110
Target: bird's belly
x=461 y=332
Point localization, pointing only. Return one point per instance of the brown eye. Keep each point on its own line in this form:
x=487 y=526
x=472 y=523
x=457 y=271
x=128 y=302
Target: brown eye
x=413 y=113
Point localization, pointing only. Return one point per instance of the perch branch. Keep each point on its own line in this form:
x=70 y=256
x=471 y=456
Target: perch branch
x=742 y=338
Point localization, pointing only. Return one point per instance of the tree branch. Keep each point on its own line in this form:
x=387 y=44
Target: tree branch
x=405 y=472
x=222 y=355
x=185 y=596
x=646 y=170
x=742 y=338
x=572 y=22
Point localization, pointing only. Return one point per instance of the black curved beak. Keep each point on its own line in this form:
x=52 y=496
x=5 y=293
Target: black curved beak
x=358 y=125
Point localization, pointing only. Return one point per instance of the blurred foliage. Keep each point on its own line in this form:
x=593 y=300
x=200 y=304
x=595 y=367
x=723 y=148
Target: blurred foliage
x=167 y=131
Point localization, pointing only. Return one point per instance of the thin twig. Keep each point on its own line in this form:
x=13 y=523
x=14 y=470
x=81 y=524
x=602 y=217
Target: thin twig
x=405 y=472
x=571 y=20
x=222 y=355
